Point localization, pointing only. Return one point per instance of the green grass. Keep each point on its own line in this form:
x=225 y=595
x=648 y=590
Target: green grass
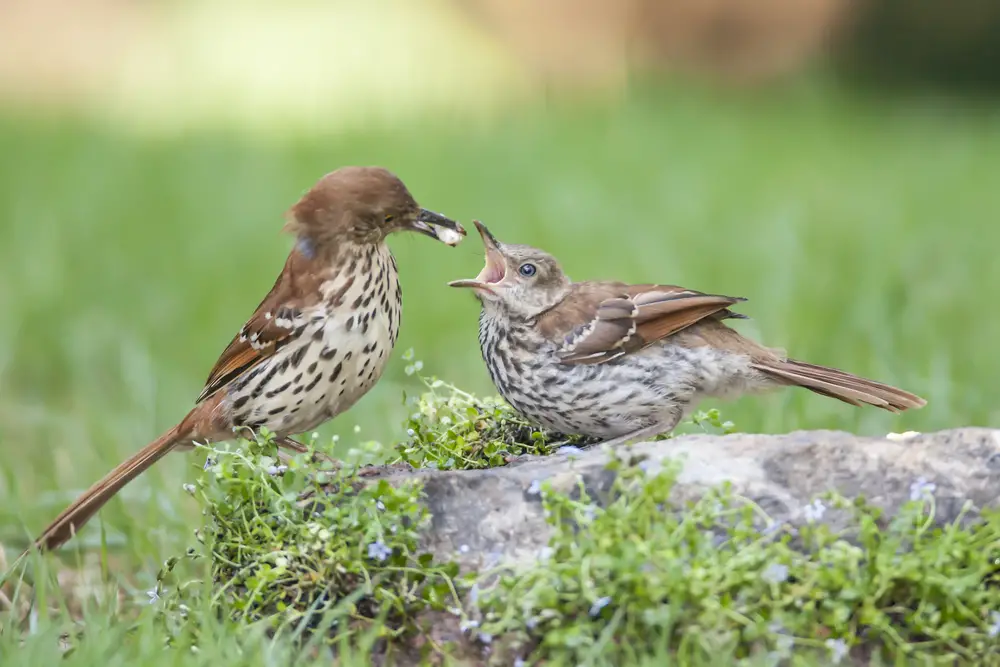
x=863 y=231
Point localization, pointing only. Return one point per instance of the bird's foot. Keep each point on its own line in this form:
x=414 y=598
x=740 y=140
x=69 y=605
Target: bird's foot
x=639 y=434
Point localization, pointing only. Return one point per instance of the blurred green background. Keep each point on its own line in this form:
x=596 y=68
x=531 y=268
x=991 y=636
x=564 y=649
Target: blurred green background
x=149 y=150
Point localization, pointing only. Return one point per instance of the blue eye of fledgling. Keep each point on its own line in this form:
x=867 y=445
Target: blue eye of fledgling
x=527 y=270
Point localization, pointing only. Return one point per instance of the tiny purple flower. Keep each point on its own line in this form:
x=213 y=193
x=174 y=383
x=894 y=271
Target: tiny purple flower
x=838 y=649
x=599 y=604
x=651 y=468
x=378 y=551
x=154 y=595
x=921 y=489
x=474 y=595
x=486 y=638
x=209 y=462
x=814 y=511
x=995 y=619
x=775 y=573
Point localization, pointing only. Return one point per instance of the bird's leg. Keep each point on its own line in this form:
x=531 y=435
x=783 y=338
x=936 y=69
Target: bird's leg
x=645 y=432
x=296 y=446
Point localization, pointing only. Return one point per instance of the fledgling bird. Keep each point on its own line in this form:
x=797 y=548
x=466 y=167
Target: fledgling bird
x=625 y=362
x=318 y=341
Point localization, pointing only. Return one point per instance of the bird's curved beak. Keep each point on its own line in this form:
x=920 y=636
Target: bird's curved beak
x=438 y=227
x=495 y=268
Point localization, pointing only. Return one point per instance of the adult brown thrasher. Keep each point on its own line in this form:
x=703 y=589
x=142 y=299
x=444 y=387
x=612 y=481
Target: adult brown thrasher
x=318 y=341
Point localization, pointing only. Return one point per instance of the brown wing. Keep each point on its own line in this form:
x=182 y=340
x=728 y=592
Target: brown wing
x=603 y=321
x=270 y=328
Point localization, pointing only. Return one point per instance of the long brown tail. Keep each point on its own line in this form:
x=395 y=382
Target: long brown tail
x=86 y=506
x=842 y=386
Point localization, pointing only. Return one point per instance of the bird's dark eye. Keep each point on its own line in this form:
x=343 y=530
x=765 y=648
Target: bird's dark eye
x=527 y=270
x=389 y=218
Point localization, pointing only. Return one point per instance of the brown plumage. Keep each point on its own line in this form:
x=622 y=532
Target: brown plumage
x=316 y=343
x=612 y=360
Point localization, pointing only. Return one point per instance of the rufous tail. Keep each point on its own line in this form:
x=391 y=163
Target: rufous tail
x=86 y=506
x=842 y=386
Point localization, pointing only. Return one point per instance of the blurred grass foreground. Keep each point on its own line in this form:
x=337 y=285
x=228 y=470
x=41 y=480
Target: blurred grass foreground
x=150 y=149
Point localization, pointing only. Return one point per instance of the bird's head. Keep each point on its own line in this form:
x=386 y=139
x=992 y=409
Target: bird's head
x=363 y=205
x=518 y=278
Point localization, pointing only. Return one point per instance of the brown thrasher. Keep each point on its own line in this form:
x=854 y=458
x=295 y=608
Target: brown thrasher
x=624 y=362
x=318 y=341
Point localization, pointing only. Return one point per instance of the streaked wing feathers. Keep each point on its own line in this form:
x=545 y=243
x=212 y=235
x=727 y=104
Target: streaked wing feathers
x=636 y=317
x=269 y=328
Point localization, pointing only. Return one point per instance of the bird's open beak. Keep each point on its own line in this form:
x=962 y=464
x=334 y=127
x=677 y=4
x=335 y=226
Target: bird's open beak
x=437 y=227
x=495 y=268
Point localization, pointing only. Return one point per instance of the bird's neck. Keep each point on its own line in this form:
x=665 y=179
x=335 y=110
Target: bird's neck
x=331 y=253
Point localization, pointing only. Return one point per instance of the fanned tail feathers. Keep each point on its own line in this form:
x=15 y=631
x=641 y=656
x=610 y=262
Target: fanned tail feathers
x=840 y=385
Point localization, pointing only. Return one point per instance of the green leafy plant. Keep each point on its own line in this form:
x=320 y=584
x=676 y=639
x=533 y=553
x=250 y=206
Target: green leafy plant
x=451 y=429
x=299 y=545
x=635 y=578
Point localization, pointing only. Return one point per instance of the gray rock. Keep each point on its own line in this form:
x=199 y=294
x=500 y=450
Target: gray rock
x=483 y=517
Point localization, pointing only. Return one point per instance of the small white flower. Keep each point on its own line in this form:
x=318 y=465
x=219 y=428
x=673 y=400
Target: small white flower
x=410 y=432
x=535 y=488
x=838 y=649
x=464 y=549
x=599 y=604
x=921 y=489
x=379 y=505
x=531 y=623
x=276 y=470
x=485 y=637
x=378 y=551
x=154 y=595
x=209 y=462
x=775 y=573
x=520 y=663
x=569 y=450
x=995 y=619
x=189 y=488
x=465 y=626
x=814 y=511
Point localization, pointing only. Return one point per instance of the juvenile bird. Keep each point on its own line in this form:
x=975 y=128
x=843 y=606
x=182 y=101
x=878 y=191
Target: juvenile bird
x=318 y=341
x=625 y=362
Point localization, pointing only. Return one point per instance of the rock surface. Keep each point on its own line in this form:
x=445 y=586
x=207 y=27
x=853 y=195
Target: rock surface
x=482 y=517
